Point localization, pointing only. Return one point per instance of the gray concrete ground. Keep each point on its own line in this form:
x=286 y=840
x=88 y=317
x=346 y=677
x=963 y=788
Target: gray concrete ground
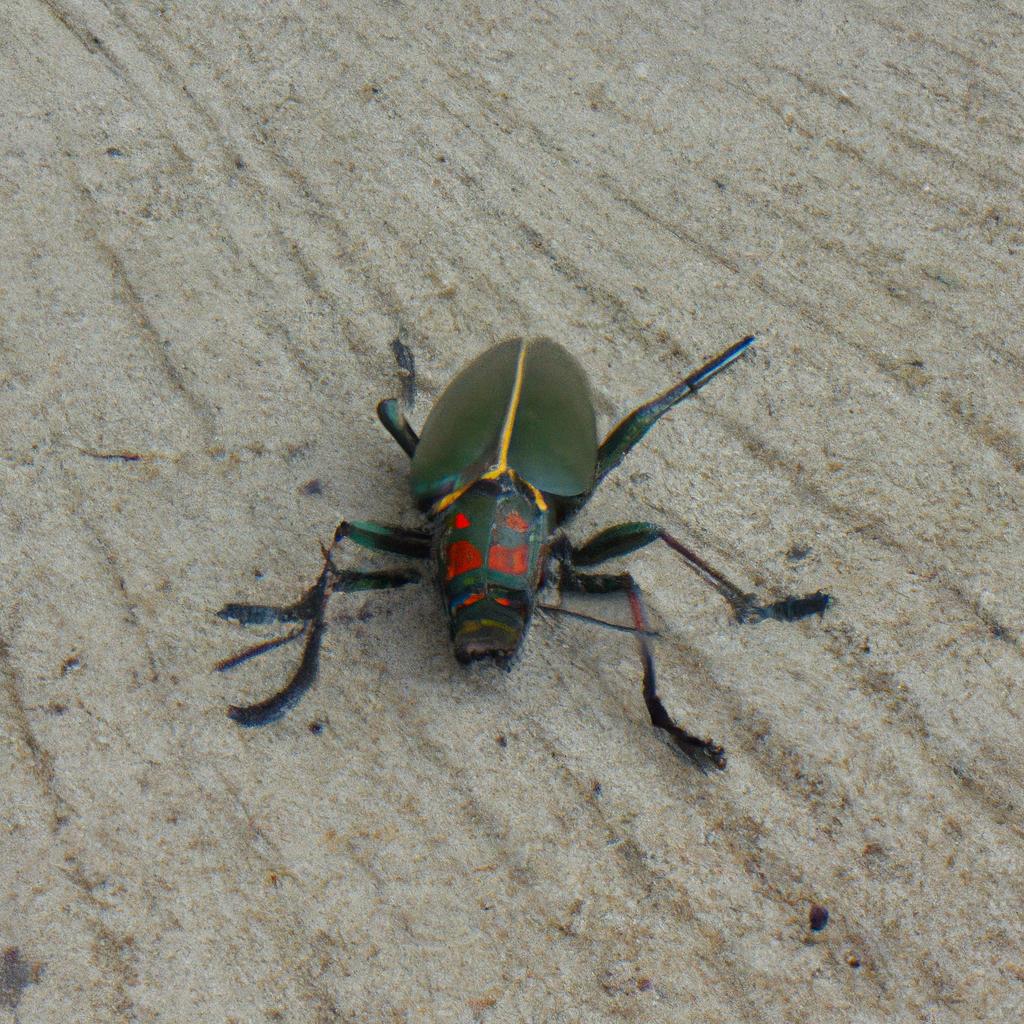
x=215 y=217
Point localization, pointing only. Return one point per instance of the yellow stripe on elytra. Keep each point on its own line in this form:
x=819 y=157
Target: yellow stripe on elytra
x=510 y=416
x=506 y=442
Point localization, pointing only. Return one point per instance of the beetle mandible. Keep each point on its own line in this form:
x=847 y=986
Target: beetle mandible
x=508 y=454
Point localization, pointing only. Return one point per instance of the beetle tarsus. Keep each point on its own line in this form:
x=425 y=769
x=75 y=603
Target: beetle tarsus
x=703 y=754
x=788 y=609
x=260 y=614
x=792 y=609
x=270 y=710
x=407 y=364
x=257 y=649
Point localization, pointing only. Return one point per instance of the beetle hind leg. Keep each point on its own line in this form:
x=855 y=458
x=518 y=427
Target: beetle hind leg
x=703 y=753
x=628 y=537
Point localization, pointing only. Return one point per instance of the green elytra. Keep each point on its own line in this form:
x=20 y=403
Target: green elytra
x=508 y=454
x=546 y=404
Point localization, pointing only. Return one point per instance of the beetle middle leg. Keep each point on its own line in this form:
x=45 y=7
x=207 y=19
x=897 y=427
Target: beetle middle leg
x=627 y=537
x=702 y=752
x=311 y=607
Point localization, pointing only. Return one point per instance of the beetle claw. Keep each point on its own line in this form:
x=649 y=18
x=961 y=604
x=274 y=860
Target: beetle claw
x=747 y=609
x=788 y=609
x=703 y=754
x=792 y=609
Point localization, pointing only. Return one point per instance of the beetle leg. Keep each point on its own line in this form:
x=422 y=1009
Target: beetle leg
x=703 y=753
x=407 y=365
x=313 y=603
x=389 y=412
x=628 y=537
x=617 y=445
x=310 y=609
x=395 y=540
x=271 y=709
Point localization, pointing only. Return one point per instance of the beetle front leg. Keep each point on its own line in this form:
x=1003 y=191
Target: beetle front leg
x=311 y=607
x=331 y=582
x=702 y=752
x=631 y=430
x=628 y=537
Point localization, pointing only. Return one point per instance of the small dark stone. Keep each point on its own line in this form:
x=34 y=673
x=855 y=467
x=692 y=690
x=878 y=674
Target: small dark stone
x=818 y=917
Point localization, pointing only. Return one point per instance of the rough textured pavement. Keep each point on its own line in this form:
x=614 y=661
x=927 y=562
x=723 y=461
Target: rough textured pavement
x=214 y=222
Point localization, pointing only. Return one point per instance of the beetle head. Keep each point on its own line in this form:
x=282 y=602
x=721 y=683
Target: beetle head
x=488 y=630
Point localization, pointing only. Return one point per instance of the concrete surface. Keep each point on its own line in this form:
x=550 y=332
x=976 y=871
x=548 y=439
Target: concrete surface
x=217 y=216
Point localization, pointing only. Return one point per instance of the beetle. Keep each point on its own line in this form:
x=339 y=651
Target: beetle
x=508 y=454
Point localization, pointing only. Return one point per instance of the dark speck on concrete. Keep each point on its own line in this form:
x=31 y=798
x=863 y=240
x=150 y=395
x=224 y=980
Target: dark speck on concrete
x=15 y=976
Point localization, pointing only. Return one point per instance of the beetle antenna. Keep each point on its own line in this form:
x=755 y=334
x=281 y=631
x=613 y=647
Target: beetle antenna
x=559 y=610
x=257 y=649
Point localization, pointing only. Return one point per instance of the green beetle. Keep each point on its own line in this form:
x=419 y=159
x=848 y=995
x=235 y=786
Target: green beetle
x=508 y=454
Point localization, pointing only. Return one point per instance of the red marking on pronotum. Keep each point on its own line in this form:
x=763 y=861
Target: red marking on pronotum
x=514 y=521
x=472 y=599
x=462 y=556
x=461 y=521
x=514 y=561
x=503 y=600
